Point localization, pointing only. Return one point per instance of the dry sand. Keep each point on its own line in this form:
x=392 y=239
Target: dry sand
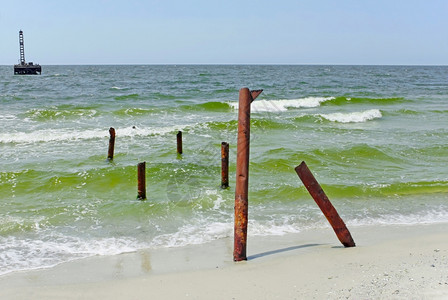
x=389 y=262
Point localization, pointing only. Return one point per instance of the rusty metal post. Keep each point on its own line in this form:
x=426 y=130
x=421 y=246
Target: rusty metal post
x=110 y=153
x=325 y=205
x=224 y=165
x=242 y=173
x=179 y=142
x=141 y=181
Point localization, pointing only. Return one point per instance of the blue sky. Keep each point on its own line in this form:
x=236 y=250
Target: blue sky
x=409 y=32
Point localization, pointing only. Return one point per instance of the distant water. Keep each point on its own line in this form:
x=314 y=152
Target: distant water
x=375 y=137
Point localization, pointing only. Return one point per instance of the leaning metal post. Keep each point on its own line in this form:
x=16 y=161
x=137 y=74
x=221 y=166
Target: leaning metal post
x=325 y=205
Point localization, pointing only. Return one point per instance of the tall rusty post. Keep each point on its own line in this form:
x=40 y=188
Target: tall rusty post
x=110 y=153
x=141 y=181
x=242 y=173
x=179 y=142
x=325 y=205
x=224 y=165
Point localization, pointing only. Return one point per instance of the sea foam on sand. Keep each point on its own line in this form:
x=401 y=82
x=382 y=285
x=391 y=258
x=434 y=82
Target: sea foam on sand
x=389 y=262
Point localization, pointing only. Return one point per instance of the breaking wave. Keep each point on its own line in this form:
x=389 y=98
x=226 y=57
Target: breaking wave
x=353 y=117
x=284 y=104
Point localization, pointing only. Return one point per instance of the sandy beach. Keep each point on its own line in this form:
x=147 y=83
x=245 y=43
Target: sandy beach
x=389 y=262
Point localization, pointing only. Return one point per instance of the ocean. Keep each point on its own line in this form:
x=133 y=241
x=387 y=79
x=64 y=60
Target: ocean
x=375 y=137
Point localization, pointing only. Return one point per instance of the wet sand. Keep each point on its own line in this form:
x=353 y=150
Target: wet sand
x=389 y=262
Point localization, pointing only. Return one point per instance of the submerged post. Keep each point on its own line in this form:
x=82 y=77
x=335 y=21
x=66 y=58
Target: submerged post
x=179 y=142
x=325 y=205
x=224 y=165
x=141 y=181
x=110 y=153
x=242 y=173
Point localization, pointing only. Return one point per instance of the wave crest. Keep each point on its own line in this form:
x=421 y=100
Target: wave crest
x=284 y=104
x=56 y=135
x=353 y=117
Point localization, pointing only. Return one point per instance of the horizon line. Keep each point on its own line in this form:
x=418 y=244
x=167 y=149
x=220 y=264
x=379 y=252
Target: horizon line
x=236 y=64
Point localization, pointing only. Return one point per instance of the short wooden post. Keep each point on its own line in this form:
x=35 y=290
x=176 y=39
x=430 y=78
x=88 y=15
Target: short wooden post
x=110 y=153
x=224 y=165
x=141 y=181
x=325 y=205
x=242 y=173
x=179 y=142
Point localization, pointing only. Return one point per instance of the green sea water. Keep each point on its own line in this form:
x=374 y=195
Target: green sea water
x=375 y=138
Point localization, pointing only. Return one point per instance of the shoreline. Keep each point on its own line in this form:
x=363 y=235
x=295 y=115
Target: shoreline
x=389 y=261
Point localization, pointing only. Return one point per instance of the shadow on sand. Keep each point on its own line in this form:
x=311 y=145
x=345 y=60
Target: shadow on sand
x=255 y=256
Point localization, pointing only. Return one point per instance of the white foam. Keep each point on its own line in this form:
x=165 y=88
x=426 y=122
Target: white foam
x=146 y=131
x=25 y=254
x=8 y=117
x=283 y=104
x=51 y=135
x=434 y=216
x=52 y=248
x=273 y=228
x=353 y=117
x=193 y=234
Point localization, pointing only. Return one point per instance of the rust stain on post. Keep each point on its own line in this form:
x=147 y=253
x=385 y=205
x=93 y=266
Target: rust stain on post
x=141 y=181
x=224 y=165
x=325 y=205
x=255 y=94
x=179 y=142
x=110 y=153
x=242 y=173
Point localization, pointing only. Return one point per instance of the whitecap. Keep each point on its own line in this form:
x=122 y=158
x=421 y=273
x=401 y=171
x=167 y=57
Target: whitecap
x=8 y=117
x=52 y=135
x=353 y=117
x=282 y=105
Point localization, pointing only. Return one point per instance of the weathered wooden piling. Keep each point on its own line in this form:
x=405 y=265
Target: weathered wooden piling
x=224 y=165
x=179 y=142
x=141 y=181
x=110 y=153
x=325 y=205
x=242 y=173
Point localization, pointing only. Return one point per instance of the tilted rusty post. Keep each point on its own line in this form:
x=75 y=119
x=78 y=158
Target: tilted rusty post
x=110 y=153
x=141 y=181
x=224 y=165
x=325 y=205
x=242 y=173
x=179 y=142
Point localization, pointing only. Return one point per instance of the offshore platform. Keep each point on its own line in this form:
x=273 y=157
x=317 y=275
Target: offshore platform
x=25 y=68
